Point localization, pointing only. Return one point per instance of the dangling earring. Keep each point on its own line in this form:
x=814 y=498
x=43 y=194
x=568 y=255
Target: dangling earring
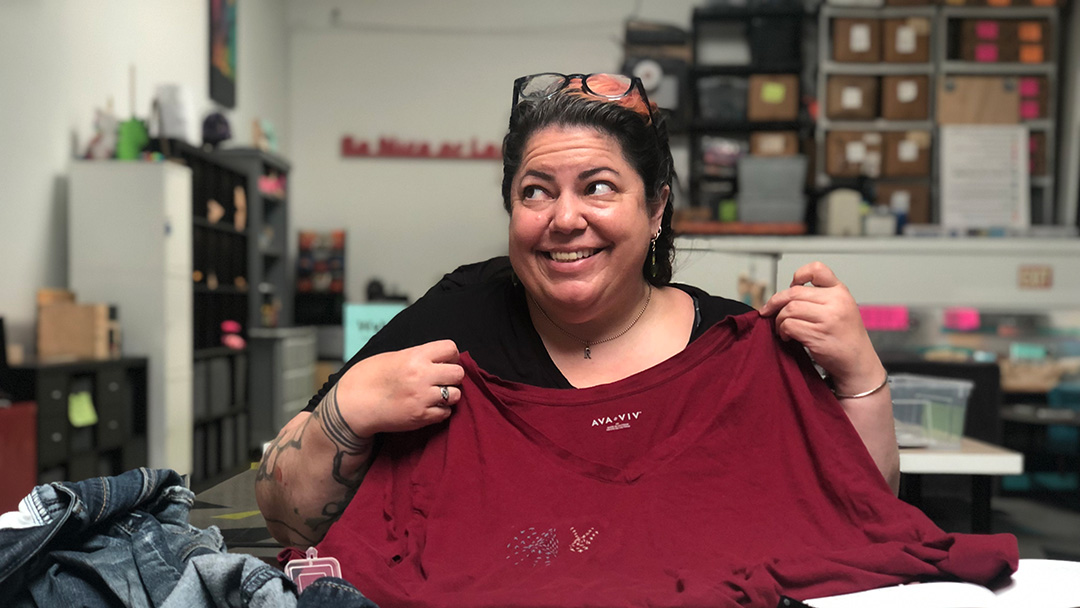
x=652 y=252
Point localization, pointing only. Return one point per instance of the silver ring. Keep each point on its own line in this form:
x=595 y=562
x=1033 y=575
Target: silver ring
x=445 y=394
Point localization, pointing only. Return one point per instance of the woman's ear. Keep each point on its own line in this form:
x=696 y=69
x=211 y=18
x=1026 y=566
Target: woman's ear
x=657 y=214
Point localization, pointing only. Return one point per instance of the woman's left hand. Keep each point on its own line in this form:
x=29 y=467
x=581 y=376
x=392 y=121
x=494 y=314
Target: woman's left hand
x=818 y=311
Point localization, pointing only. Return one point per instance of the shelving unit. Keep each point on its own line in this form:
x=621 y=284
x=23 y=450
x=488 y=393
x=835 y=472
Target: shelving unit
x=829 y=67
x=222 y=212
x=945 y=61
x=114 y=444
x=267 y=174
x=1043 y=195
x=769 y=55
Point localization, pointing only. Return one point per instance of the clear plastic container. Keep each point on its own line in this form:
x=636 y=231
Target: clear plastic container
x=929 y=411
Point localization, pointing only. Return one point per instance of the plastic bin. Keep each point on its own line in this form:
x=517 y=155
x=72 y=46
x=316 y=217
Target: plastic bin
x=929 y=411
x=771 y=188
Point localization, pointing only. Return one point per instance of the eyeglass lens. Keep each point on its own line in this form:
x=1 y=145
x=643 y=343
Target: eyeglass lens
x=612 y=86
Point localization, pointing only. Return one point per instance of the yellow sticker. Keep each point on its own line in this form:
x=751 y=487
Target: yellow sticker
x=773 y=92
x=240 y=515
x=81 y=410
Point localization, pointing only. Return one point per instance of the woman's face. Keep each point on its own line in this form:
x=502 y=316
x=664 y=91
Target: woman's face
x=579 y=225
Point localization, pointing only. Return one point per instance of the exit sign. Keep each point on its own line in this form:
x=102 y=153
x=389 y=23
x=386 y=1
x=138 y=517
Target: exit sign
x=1035 y=276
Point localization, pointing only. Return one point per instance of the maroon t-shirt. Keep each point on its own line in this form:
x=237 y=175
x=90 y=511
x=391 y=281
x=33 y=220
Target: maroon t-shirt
x=725 y=476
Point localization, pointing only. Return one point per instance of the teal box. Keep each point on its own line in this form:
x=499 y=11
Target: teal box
x=362 y=321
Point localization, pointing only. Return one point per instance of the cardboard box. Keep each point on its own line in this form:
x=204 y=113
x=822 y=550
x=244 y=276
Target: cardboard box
x=852 y=98
x=906 y=40
x=774 y=143
x=986 y=100
x=856 y=40
x=905 y=97
x=47 y=296
x=77 y=331
x=915 y=196
x=773 y=97
x=989 y=40
x=907 y=154
x=853 y=153
x=1034 y=97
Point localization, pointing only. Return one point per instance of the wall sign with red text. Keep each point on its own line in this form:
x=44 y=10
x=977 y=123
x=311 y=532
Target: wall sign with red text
x=391 y=147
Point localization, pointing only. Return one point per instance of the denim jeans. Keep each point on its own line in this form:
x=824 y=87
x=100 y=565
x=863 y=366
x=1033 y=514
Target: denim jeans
x=126 y=541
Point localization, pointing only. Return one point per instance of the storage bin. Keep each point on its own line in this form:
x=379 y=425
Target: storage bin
x=929 y=411
x=722 y=98
x=771 y=189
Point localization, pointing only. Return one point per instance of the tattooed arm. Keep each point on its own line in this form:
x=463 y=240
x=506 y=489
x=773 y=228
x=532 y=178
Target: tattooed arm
x=312 y=470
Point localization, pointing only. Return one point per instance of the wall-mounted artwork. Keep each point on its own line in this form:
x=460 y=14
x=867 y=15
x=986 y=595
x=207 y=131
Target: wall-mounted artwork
x=223 y=52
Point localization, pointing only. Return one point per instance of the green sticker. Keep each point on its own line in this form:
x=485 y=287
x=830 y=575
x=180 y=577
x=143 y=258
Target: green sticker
x=773 y=92
x=81 y=410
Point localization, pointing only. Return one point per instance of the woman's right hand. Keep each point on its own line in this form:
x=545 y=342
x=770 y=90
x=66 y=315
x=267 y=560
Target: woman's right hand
x=401 y=390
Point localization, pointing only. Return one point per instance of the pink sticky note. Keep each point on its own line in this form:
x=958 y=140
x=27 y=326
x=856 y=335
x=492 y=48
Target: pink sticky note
x=987 y=53
x=1029 y=87
x=1029 y=109
x=962 y=319
x=885 y=318
x=986 y=30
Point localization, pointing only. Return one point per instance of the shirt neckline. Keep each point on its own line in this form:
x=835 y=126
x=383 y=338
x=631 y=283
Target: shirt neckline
x=504 y=394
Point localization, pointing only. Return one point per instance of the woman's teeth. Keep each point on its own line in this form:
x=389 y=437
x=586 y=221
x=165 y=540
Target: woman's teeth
x=570 y=256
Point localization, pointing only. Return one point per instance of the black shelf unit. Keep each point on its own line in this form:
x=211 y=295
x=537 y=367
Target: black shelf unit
x=769 y=56
x=267 y=174
x=116 y=443
x=223 y=277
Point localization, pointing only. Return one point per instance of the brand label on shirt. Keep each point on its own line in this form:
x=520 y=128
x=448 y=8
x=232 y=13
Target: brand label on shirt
x=616 y=423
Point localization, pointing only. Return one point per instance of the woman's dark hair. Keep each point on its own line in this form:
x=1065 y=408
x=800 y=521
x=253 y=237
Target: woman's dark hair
x=644 y=147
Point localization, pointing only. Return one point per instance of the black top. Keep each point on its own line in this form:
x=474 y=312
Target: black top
x=479 y=307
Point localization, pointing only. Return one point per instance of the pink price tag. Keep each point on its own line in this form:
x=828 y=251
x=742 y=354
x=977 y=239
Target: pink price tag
x=1029 y=109
x=1029 y=87
x=962 y=319
x=986 y=30
x=303 y=572
x=885 y=318
x=986 y=53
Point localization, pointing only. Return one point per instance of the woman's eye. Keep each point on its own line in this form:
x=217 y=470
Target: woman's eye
x=599 y=188
x=532 y=193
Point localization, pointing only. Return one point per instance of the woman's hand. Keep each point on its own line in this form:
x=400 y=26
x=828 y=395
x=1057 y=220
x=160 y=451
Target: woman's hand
x=823 y=317
x=401 y=390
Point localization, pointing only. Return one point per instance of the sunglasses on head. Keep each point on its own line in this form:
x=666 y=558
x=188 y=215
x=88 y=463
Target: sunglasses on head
x=608 y=87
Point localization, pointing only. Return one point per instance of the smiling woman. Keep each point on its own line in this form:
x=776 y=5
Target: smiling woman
x=570 y=395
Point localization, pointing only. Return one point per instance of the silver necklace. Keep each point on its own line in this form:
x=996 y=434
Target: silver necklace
x=588 y=343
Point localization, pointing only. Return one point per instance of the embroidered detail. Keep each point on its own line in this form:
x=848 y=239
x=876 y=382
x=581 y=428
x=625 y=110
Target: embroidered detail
x=581 y=543
x=533 y=548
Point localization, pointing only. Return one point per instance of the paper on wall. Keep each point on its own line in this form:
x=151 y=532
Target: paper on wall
x=984 y=176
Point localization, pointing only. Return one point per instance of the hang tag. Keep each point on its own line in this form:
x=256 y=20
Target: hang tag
x=303 y=572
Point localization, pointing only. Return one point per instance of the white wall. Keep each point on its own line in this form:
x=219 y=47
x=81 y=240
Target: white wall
x=60 y=59
x=426 y=70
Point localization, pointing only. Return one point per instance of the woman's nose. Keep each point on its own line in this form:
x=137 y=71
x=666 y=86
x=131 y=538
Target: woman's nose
x=568 y=215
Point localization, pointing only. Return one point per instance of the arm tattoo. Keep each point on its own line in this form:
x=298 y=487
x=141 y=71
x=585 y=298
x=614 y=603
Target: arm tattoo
x=281 y=443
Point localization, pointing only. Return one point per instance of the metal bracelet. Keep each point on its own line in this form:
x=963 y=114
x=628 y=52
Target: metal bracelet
x=864 y=394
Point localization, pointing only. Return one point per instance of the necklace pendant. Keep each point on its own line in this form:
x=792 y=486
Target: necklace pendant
x=588 y=353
